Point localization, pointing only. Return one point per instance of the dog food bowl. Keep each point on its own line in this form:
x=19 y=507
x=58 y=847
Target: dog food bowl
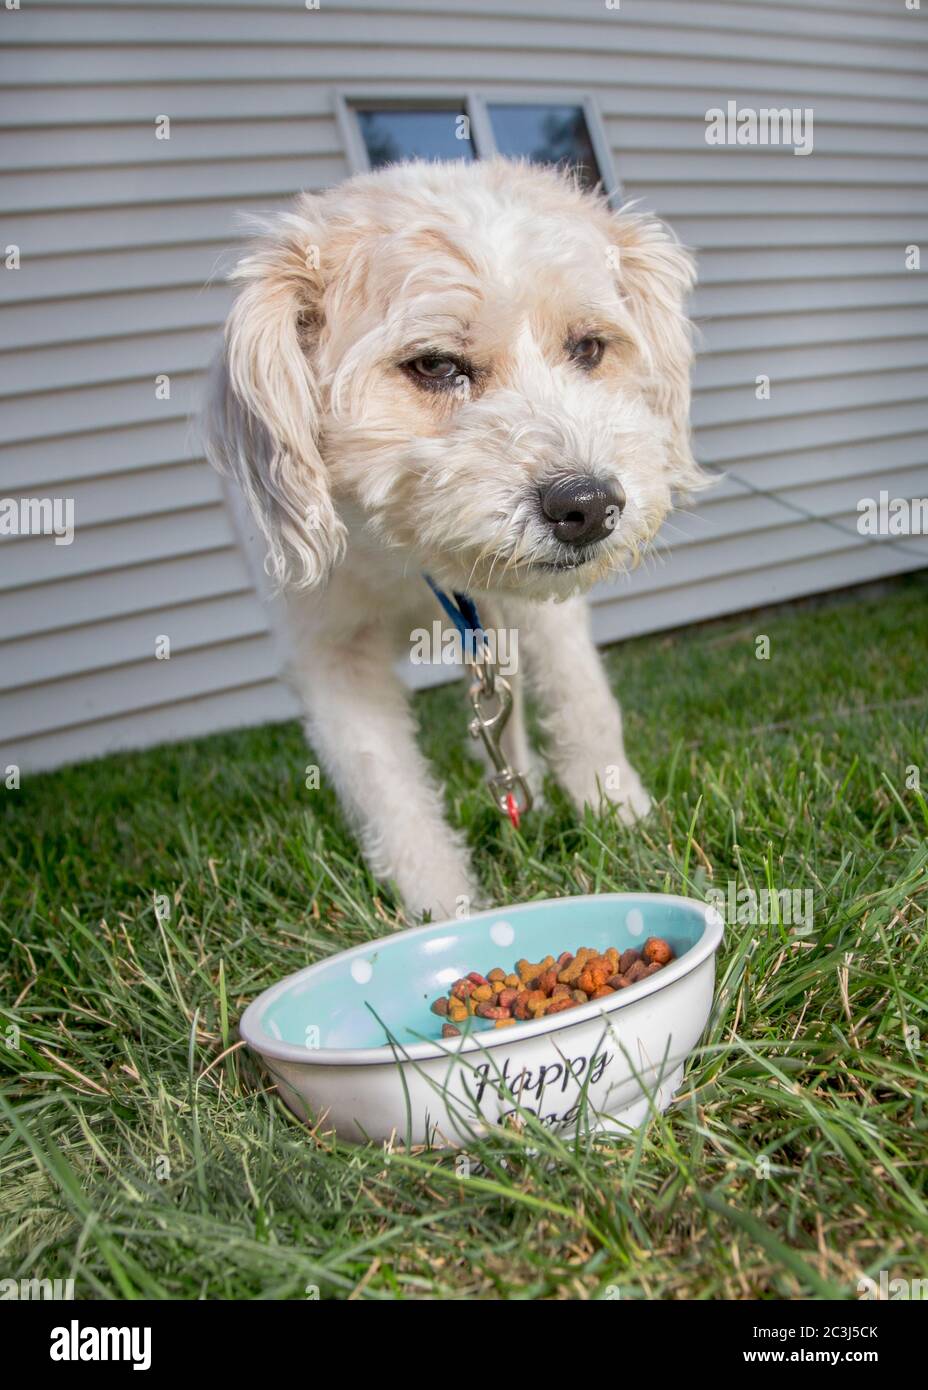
x=352 y=1041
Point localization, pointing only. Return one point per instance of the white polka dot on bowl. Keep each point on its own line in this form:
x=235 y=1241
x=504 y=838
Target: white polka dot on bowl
x=502 y=934
x=635 y=921
x=361 y=971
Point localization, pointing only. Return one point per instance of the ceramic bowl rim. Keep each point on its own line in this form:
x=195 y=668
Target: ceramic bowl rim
x=253 y=1034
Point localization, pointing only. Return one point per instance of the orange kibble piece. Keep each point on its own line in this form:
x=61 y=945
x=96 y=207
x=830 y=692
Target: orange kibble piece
x=504 y=1023
x=496 y=974
x=602 y=992
x=483 y=994
x=547 y=980
x=656 y=950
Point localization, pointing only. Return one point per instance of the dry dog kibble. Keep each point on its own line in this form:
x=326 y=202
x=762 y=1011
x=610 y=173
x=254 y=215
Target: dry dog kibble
x=656 y=952
x=536 y=989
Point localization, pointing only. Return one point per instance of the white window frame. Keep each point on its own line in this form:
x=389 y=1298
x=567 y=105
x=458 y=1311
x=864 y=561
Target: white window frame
x=474 y=103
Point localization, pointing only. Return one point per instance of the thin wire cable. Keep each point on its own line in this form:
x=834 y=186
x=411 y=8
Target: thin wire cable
x=811 y=516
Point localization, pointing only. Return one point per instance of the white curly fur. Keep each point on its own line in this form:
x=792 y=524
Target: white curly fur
x=361 y=479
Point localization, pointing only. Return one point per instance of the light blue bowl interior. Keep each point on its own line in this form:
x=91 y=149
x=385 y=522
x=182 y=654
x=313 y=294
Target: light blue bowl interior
x=358 y=1000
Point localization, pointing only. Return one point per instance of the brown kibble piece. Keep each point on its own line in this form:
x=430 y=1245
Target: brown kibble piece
x=477 y=979
x=656 y=949
x=462 y=989
x=655 y=965
x=557 y=1006
x=560 y=992
x=579 y=996
x=628 y=959
x=547 y=980
x=520 y=1007
x=507 y=997
x=615 y=982
x=448 y=1030
x=440 y=1007
x=636 y=972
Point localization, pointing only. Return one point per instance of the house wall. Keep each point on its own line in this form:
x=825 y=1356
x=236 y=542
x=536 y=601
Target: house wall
x=123 y=239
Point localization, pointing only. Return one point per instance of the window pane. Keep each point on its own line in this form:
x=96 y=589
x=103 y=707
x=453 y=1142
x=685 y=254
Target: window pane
x=391 y=136
x=547 y=135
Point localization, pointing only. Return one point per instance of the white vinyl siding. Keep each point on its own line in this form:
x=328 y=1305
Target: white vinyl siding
x=124 y=239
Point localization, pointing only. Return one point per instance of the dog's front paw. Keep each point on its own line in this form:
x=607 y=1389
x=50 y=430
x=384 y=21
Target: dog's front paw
x=629 y=797
x=441 y=890
x=615 y=784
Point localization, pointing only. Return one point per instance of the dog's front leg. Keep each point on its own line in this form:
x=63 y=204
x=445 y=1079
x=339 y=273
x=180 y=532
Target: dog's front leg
x=359 y=722
x=578 y=711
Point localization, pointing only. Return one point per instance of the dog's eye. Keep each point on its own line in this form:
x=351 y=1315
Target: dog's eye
x=587 y=352
x=435 y=370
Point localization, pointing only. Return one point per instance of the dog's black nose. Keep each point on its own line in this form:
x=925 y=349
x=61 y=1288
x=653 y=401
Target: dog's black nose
x=581 y=509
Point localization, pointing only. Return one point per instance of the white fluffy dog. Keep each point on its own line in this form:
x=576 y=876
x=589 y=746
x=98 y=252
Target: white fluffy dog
x=478 y=372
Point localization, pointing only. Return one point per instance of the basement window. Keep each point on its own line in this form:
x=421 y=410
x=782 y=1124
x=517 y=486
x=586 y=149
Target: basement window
x=389 y=128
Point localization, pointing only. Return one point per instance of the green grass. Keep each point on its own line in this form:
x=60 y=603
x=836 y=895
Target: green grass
x=143 y=1158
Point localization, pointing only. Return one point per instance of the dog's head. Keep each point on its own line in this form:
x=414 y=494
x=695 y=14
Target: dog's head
x=484 y=360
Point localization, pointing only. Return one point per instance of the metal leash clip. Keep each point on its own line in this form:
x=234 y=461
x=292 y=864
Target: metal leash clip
x=509 y=788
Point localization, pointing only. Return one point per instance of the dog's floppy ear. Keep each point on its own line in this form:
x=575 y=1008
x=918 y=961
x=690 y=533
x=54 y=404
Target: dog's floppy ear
x=262 y=418
x=655 y=274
